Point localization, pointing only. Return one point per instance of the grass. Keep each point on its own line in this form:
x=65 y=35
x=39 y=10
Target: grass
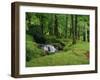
x=74 y=56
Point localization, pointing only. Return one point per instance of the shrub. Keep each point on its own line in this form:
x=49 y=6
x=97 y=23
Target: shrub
x=58 y=46
x=58 y=43
x=39 y=38
x=51 y=39
x=68 y=46
x=32 y=50
x=29 y=37
x=36 y=32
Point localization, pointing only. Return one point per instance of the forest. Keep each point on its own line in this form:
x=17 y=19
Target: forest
x=56 y=39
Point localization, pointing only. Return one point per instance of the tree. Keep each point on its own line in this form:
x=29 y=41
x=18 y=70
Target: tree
x=51 y=24
x=28 y=21
x=88 y=35
x=56 y=26
x=84 y=33
x=76 y=28
x=73 y=29
x=66 y=27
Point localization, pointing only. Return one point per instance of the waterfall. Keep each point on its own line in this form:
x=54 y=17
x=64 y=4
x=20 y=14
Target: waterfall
x=49 y=48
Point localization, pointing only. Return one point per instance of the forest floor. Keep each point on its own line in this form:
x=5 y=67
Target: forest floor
x=76 y=55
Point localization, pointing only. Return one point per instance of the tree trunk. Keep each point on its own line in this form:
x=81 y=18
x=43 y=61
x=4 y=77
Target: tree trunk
x=84 y=34
x=70 y=29
x=76 y=31
x=73 y=29
x=51 y=25
x=66 y=27
x=56 y=27
x=87 y=35
x=41 y=23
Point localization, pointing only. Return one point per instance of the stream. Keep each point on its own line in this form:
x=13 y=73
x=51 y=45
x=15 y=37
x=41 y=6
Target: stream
x=48 y=48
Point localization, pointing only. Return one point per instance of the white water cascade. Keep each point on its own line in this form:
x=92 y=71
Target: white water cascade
x=49 y=48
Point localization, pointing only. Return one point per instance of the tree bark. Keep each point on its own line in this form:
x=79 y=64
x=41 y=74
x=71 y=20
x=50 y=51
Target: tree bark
x=84 y=34
x=73 y=29
x=66 y=27
x=56 y=27
x=41 y=23
x=76 y=31
x=87 y=35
